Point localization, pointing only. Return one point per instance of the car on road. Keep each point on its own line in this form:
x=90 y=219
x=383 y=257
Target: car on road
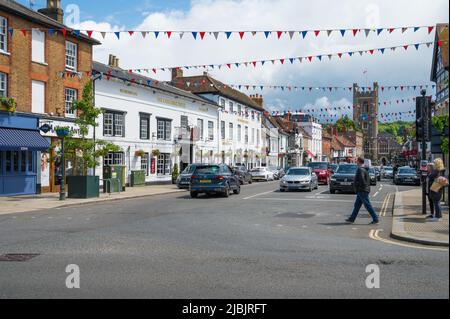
x=322 y=170
x=407 y=175
x=214 y=179
x=299 y=178
x=388 y=172
x=344 y=179
x=278 y=173
x=245 y=177
x=373 y=176
x=262 y=174
x=378 y=172
x=184 y=179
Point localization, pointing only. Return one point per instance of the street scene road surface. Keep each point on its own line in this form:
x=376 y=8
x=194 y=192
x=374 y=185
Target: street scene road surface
x=259 y=244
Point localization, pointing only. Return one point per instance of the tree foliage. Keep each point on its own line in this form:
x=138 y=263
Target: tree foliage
x=84 y=151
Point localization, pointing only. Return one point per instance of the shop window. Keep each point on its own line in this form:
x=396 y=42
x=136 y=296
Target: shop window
x=164 y=164
x=144 y=163
x=114 y=159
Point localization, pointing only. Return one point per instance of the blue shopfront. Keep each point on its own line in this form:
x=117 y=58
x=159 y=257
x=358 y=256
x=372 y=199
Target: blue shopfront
x=20 y=142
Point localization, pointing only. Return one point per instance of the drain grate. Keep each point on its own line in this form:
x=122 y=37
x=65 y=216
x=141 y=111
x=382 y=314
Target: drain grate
x=295 y=215
x=17 y=257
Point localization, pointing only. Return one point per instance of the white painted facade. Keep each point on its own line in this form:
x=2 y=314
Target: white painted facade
x=242 y=140
x=164 y=112
x=271 y=144
x=315 y=143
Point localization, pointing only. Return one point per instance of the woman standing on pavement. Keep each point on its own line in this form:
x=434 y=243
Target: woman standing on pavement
x=436 y=194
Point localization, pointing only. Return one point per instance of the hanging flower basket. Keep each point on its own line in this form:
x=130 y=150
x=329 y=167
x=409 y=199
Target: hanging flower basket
x=8 y=104
x=62 y=131
x=156 y=153
x=139 y=153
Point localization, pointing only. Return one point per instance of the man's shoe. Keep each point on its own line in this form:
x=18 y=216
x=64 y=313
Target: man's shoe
x=434 y=220
x=349 y=221
x=375 y=222
x=430 y=217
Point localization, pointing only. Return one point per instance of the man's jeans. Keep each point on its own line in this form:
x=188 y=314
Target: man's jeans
x=363 y=199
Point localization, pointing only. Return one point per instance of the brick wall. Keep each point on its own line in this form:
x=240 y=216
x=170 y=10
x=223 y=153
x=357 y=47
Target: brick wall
x=21 y=70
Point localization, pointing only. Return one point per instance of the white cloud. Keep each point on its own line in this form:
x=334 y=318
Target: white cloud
x=208 y=15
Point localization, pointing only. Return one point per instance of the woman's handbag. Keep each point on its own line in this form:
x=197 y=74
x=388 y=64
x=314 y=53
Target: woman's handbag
x=438 y=184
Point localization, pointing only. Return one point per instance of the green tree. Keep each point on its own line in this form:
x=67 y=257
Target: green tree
x=84 y=151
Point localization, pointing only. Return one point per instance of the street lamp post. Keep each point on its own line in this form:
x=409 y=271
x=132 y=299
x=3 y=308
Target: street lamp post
x=62 y=133
x=424 y=119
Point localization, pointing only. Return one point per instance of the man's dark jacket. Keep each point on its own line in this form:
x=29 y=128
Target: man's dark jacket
x=362 y=181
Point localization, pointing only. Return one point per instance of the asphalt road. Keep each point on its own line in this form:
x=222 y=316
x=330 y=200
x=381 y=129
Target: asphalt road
x=259 y=244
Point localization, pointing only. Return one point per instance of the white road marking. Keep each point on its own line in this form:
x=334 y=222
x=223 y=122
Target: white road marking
x=310 y=199
x=374 y=234
x=265 y=193
x=376 y=194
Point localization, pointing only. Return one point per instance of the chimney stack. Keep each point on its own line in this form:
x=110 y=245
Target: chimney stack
x=258 y=99
x=113 y=61
x=53 y=10
x=177 y=73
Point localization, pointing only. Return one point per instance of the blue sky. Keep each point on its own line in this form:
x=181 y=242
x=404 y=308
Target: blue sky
x=123 y=12
x=399 y=68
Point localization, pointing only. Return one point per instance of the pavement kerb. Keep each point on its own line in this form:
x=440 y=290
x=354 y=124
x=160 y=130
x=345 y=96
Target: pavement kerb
x=398 y=230
x=102 y=200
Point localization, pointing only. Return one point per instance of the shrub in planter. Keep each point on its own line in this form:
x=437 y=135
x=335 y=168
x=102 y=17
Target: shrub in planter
x=175 y=173
x=83 y=151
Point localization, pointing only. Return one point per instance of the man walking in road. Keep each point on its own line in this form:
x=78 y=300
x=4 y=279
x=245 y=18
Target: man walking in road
x=362 y=188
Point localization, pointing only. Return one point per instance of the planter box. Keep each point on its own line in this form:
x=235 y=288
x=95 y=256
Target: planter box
x=83 y=186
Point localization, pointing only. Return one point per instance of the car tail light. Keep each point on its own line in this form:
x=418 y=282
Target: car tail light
x=220 y=178
x=194 y=177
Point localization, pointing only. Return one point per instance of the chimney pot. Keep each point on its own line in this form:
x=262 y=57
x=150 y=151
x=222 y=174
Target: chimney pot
x=53 y=10
x=177 y=73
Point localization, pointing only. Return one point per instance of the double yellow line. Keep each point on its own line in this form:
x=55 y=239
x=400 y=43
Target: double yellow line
x=384 y=207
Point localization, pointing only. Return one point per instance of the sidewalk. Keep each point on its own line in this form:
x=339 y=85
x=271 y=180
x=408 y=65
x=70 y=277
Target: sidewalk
x=11 y=205
x=410 y=225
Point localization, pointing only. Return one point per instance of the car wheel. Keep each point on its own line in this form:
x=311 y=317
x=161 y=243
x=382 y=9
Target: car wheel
x=226 y=193
x=282 y=190
x=237 y=191
x=250 y=182
x=332 y=191
x=194 y=194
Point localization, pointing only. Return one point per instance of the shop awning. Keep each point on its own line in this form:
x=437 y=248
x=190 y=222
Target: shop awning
x=22 y=140
x=310 y=154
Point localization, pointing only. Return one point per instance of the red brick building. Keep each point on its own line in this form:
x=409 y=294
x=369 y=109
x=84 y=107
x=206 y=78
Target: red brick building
x=44 y=65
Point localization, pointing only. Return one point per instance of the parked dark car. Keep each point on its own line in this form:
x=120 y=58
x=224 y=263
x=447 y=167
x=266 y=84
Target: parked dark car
x=343 y=179
x=214 y=179
x=245 y=177
x=184 y=179
x=407 y=175
x=322 y=170
x=373 y=176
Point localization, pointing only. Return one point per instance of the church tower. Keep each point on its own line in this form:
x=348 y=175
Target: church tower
x=365 y=115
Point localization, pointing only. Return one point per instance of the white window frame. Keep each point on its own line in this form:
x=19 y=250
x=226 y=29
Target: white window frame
x=3 y=34
x=70 y=95
x=145 y=164
x=211 y=130
x=201 y=128
x=37 y=107
x=71 y=56
x=231 y=131
x=239 y=133
x=114 y=159
x=223 y=130
x=164 y=164
x=3 y=85
x=38 y=46
x=163 y=129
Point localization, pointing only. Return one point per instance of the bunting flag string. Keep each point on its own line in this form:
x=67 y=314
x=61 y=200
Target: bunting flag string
x=200 y=35
x=292 y=60
x=291 y=88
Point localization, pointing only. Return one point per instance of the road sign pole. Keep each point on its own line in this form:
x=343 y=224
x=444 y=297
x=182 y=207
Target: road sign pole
x=424 y=119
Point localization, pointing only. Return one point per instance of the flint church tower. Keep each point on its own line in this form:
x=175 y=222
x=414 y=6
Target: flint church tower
x=365 y=115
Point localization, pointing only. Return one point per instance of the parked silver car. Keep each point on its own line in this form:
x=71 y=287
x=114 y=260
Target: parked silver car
x=299 y=178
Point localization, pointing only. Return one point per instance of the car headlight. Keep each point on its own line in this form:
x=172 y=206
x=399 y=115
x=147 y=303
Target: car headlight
x=333 y=179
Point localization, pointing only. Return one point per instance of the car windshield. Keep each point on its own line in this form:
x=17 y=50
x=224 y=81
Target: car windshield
x=212 y=170
x=318 y=165
x=347 y=169
x=388 y=169
x=189 y=170
x=406 y=171
x=273 y=169
x=371 y=170
x=299 y=171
